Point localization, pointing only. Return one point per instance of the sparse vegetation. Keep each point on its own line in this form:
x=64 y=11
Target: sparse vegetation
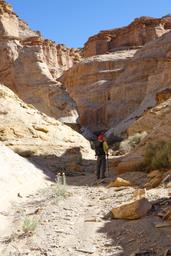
x=157 y=156
x=29 y=225
x=131 y=142
x=59 y=189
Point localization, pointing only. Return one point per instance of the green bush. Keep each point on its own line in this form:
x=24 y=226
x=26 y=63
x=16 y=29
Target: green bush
x=157 y=156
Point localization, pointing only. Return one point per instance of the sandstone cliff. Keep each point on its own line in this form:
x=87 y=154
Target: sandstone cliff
x=90 y=83
x=148 y=75
x=138 y=33
x=112 y=89
x=29 y=65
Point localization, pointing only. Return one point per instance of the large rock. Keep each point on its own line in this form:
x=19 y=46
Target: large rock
x=29 y=65
x=119 y=182
x=130 y=163
x=132 y=210
x=33 y=134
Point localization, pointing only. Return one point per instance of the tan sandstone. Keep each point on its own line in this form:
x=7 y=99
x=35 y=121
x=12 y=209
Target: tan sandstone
x=132 y=210
x=29 y=66
x=138 y=33
x=33 y=134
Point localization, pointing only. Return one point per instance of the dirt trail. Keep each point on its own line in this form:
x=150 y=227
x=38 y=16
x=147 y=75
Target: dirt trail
x=80 y=224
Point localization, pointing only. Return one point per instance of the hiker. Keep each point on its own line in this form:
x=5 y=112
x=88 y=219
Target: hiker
x=101 y=150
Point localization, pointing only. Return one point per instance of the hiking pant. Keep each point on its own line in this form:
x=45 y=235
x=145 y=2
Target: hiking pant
x=101 y=166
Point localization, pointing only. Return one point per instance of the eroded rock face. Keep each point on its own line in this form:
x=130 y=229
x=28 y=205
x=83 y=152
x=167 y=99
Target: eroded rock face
x=33 y=134
x=156 y=122
x=148 y=75
x=90 y=84
x=138 y=33
x=112 y=90
x=29 y=65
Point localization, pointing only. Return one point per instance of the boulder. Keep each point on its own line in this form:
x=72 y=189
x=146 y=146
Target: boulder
x=129 y=163
x=119 y=182
x=154 y=173
x=132 y=210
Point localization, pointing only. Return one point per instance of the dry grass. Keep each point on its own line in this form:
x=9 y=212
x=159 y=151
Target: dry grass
x=157 y=156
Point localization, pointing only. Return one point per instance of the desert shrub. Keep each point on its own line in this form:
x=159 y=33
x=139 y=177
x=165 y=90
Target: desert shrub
x=60 y=189
x=158 y=155
x=29 y=225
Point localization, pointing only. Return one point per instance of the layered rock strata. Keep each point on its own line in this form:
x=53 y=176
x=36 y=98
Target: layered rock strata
x=90 y=83
x=112 y=89
x=138 y=33
x=29 y=65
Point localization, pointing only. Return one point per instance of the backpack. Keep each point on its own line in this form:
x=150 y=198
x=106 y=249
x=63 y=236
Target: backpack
x=98 y=147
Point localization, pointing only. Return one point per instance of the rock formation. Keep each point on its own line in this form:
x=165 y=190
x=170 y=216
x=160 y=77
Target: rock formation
x=44 y=140
x=110 y=88
x=30 y=65
x=90 y=82
x=156 y=123
x=138 y=33
x=148 y=76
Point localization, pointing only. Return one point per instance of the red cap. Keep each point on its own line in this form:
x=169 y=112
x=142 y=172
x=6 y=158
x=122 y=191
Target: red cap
x=101 y=137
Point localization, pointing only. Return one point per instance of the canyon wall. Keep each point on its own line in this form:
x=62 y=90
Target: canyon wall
x=120 y=82
x=29 y=65
x=138 y=33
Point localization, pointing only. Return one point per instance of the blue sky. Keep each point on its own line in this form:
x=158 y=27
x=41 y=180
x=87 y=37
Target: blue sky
x=72 y=21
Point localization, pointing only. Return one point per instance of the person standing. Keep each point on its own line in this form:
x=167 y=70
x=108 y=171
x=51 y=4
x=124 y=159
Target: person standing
x=101 y=151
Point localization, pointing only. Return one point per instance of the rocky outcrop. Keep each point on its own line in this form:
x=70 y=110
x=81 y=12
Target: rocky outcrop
x=29 y=65
x=138 y=33
x=163 y=95
x=90 y=83
x=156 y=123
x=44 y=140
